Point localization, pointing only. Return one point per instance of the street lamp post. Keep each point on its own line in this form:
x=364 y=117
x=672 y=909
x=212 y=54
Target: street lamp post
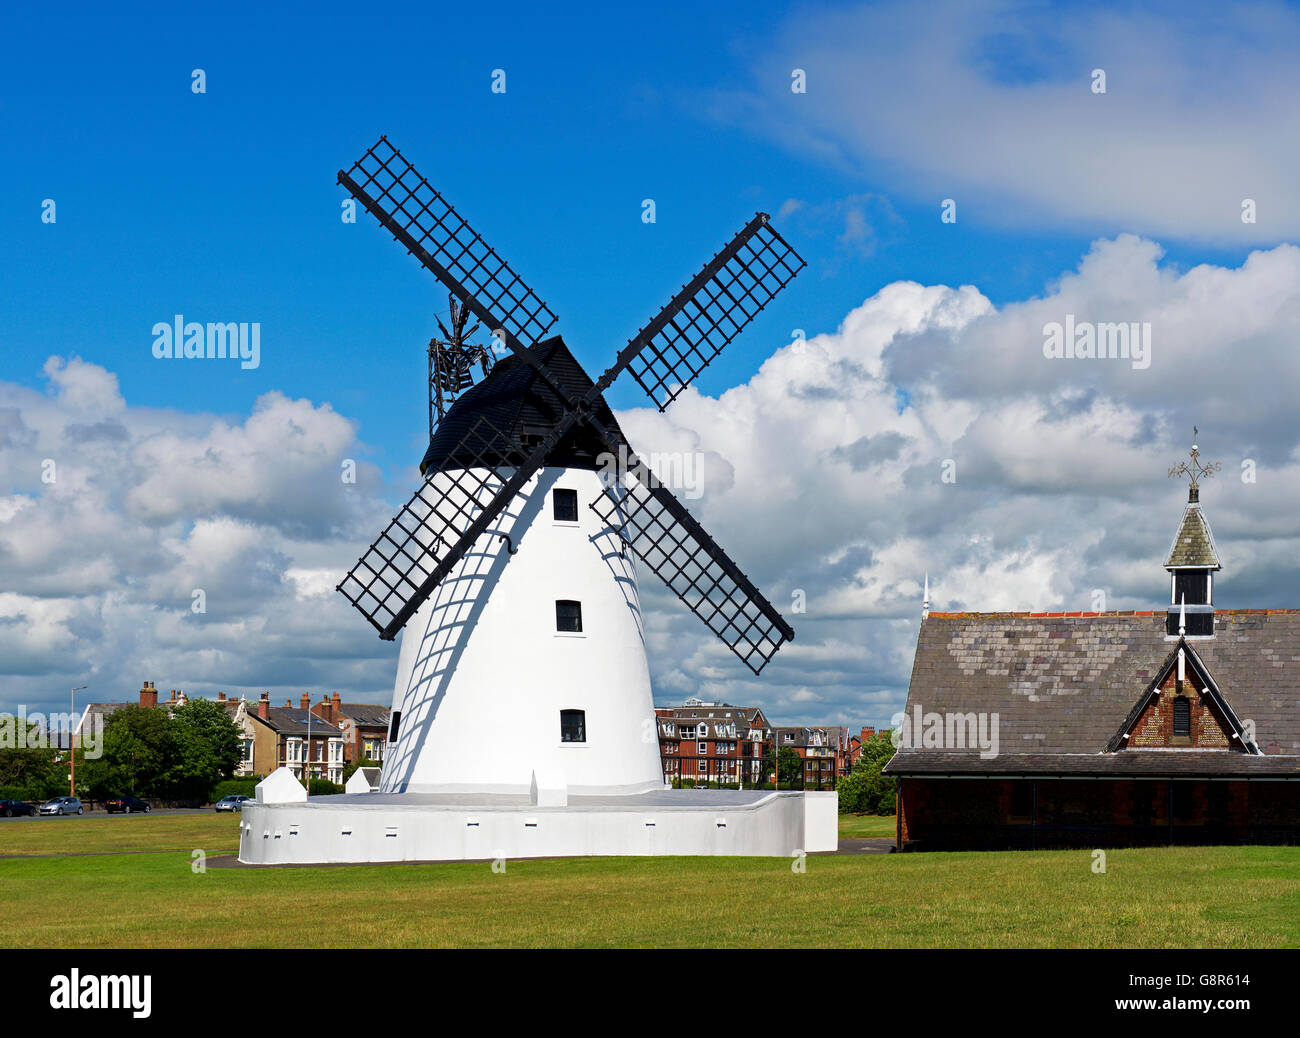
x=72 y=743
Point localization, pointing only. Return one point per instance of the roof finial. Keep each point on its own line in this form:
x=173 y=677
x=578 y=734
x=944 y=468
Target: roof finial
x=1195 y=471
x=1182 y=614
x=925 y=606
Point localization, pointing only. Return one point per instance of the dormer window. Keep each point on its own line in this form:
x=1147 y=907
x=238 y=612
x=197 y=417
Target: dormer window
x=568 y=616
x=564 y=504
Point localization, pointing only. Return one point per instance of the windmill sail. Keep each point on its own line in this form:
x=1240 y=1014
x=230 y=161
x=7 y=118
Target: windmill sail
x=456 y=505
x=673 y=545
x=432 y=532
x=713 y=308
x=398 y=196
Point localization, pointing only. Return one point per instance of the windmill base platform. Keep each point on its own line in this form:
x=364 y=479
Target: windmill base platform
x=392 y=827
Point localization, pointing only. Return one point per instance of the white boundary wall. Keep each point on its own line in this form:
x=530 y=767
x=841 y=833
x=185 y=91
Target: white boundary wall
x=398 y=828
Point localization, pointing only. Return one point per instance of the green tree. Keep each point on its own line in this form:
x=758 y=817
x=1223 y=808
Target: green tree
x=139 y=748
x=350 y=769
x=40 y=773
x=212 y=723
x=865 y=790
x=791 y=766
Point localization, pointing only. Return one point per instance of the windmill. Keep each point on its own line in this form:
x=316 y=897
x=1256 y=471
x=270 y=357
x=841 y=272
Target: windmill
x=475 y=561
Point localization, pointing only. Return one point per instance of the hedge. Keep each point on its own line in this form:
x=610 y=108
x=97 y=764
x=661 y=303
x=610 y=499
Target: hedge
x=235 y=787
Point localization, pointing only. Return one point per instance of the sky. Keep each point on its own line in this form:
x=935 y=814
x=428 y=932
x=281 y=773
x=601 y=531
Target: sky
x=951 y=172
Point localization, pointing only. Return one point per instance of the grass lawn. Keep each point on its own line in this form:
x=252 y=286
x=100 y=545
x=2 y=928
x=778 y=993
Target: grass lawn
x=1162 y=897
x=858 y=827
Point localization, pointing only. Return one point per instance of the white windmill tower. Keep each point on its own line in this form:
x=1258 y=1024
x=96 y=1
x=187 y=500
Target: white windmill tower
x=523 y=665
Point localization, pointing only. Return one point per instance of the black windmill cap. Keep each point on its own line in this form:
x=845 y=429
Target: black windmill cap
x=519 y=409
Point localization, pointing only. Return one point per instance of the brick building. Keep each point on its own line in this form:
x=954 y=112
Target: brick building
x=364 y=727
x=824 y=750
x=1102 y=729
x=307 y=744
x=712 y=742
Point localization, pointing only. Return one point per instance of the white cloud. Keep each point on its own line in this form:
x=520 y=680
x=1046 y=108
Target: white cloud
x=823 y=474
x=1059 y=466
x=992 y=105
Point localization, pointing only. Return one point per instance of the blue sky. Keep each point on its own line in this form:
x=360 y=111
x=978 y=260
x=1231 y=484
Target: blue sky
x=223 y=206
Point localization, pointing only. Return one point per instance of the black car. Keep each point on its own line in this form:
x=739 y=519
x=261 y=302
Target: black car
x=15 y=809
x=125 y=805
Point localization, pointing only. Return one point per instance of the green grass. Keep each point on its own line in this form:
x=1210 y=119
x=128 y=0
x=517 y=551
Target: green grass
x=120 y=833
x=858 y=827
x=1160 y=897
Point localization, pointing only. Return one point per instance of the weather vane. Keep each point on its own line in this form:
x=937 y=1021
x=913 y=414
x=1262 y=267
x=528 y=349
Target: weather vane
x=1195 y=471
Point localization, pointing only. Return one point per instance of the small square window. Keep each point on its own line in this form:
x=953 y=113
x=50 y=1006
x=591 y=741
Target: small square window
x=573 y=726
x=565 y=504
x=568 y=616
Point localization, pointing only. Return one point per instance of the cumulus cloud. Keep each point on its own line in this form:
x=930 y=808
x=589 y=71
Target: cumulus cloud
x=992 y=105
x=142 y=543
x=928 y=432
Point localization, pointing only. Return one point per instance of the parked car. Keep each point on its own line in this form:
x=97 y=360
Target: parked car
x=125 y=805
x=12 y=808
x=62 y=806
x=232 y=803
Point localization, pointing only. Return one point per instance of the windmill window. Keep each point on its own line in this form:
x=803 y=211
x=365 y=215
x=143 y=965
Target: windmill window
x=573 y=726
x=1182 y=717
x=393 y=726
x=568 y=616
x=565 y=505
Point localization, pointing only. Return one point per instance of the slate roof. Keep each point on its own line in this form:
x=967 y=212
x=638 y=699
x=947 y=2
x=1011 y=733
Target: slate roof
x=366 y=714
x=517 y=404
x=1193 y=543
x=1128 y=763
x=1063 y=684
x=293 y=721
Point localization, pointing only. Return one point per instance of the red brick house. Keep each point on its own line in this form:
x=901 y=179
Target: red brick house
x=364 y=727
x=712 y=742
x=1103 y=729
x=823 y=748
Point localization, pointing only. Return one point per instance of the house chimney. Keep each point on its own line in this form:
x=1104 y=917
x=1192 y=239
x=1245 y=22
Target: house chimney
x=263 y=705
x=304 y=703
x=336 y=707
x=221 y=697
x=148 y=694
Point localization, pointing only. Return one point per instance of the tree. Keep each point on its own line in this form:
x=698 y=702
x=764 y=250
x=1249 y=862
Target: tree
x=210 y=722
x=350 y=769
x=791 y=767
x=865 y=790
x=148 y=753
x=139 y=747
x=36 y=773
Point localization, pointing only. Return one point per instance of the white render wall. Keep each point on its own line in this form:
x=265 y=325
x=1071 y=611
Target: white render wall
x=378 y=828
x=483 y=674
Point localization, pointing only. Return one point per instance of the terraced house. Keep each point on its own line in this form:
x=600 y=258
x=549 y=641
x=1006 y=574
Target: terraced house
x=1180 y=725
